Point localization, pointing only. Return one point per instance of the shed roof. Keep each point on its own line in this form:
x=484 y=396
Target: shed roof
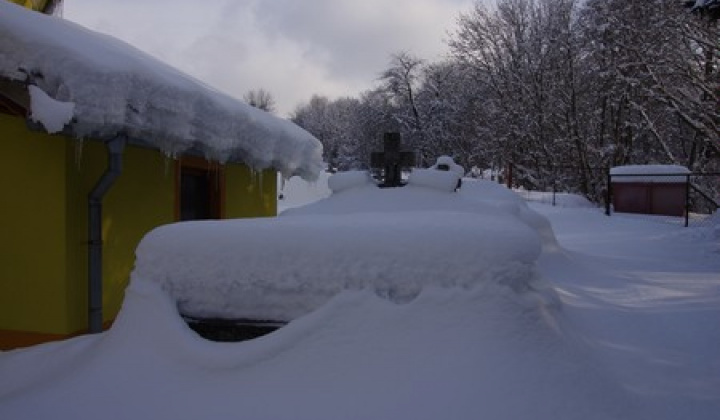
x=117 y=89
x=649 y=173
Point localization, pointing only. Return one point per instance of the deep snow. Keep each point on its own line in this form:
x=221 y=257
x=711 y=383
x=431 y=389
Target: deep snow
x=636 y=336
x=393 y=241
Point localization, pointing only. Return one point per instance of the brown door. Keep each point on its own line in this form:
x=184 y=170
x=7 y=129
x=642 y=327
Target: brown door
x=200 y=190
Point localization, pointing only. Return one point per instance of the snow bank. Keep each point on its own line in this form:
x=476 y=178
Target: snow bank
x=341 y=181
x=450 y=353
x=293 y=265
x=446 y=163
x=649 y=173
x=636 y=338
x=119 y=89
x=506 y=201
x=296 y=192
x=432 y=178
x=393 y=241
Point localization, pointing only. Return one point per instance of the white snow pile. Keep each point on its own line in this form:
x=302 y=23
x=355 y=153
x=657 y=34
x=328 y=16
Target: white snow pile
x=52 y=114
x=636 y=335
x=296 y=192
x=394 y=242
x=649 y=173
x=341 y=181
x=116 y=88
x=444 y=175
x=446 y=163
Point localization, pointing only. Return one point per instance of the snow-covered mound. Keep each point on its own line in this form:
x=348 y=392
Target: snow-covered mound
x=342 y=181
x=450 y=353
x=393 y=241
x=446 y=163
x=114 y=88
x=636 y=338
x=431 y=178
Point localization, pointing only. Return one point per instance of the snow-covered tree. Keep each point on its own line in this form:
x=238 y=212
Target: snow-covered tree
x=563 y=89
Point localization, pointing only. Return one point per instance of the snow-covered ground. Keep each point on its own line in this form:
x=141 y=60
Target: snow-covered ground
x=617 y=318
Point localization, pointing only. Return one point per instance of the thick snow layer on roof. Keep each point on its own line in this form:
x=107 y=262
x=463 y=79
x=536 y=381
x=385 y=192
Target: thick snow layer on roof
x=119 y=89
x=357 y=239
x=649 y=173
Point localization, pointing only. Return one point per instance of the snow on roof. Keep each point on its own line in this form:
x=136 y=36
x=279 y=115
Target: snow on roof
x=117 y=89
x=52 y=114
x=649 y=173
x=395 y=242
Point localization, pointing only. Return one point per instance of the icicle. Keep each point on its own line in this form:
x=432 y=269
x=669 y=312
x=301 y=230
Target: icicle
x=218 y=169
x=253 y=175
x=167 y=161
x=170 y=154
x=79 y=144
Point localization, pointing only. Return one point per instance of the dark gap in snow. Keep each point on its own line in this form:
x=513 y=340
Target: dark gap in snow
x=231 y=330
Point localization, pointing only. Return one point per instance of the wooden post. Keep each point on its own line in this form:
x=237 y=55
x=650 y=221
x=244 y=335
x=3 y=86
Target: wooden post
x=509 y=177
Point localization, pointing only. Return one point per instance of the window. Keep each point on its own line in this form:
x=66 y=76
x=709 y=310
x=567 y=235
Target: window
x=200 y=190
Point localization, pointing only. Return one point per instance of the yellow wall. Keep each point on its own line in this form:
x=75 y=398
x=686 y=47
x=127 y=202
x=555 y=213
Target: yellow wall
x=32 y=229
x=141 y=199
x=250 y=193
x=45 y=181
x=37 y=5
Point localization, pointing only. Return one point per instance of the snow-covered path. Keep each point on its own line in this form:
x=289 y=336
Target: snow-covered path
x=644 y=295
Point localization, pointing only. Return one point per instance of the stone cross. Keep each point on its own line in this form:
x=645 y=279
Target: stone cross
x=392 y=160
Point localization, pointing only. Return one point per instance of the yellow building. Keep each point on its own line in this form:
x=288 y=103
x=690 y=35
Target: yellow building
x=73 y=210
x=45 y=6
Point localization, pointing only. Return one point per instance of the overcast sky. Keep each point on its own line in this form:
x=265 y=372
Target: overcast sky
x=291 y=48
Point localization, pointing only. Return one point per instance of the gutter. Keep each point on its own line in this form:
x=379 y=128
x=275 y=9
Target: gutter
x=115 y=148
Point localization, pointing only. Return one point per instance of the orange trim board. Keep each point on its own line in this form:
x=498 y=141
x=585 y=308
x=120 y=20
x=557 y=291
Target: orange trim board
x=10 y=340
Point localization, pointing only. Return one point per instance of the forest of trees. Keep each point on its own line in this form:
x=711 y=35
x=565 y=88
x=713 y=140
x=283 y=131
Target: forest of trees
x=562 y=89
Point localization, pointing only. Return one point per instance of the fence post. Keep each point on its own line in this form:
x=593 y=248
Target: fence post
x=509 y=179
x=608 y=193
x=687 y=200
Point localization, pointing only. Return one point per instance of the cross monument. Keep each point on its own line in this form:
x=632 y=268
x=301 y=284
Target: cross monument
x=392 y=160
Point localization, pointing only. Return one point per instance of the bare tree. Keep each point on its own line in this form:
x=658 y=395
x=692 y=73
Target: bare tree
x=261 y=99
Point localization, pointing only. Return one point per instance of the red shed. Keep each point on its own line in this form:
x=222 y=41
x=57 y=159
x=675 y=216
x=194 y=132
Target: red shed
x=650 y=189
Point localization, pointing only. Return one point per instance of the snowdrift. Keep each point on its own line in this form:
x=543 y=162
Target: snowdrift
x=393 y=242
x=450 y=353
x=486 y=340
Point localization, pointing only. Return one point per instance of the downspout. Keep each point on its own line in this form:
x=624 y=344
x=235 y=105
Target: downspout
x=115 y=148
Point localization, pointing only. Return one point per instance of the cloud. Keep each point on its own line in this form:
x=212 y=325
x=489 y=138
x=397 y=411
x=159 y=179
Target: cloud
x=292 y=48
